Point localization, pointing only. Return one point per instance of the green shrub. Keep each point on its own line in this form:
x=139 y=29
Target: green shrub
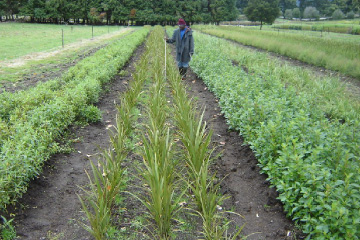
x=296 y=13
x=338 y=14
x=350 y=15
x=333 y=54
x=91 y=114
x=288 y=14
x=311 y=12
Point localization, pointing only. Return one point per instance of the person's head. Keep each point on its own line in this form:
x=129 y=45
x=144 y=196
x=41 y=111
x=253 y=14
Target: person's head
x=181 y=24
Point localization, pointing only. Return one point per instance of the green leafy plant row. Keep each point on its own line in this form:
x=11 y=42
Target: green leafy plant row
x=334 y=97
x=312 y=160
x=333 y=54
x=16 y=105
x=337 y=28
x=32 y=126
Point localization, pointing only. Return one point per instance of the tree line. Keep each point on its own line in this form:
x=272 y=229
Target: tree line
x=139 y=12
x=324 y=7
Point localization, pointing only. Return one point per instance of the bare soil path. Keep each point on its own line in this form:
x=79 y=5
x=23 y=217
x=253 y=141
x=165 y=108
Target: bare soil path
x=51 y=205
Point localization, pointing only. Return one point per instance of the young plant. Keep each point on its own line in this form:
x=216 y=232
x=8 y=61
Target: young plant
x=196 y=140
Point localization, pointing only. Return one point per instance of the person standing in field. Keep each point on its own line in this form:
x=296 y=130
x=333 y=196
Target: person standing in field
x=184 y=46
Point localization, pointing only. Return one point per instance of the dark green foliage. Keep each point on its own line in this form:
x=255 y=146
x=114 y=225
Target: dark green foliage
x=338 y=14
x=287 y=4
x=139 y=12
x=264 y=11
x=288 y=14
x=91 y=114
x=154 y=12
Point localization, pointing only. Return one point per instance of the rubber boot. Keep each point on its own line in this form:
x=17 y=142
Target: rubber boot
x=183 y=75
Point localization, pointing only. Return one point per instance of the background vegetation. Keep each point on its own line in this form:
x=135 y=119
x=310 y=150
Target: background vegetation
x=120 y=11
x=298 y=7
x=329 y=53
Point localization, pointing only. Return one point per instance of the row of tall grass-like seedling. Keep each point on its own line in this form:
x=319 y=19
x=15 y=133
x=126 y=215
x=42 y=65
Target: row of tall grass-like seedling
x=164 y=181
x=107 y=177
x=198 y=156
x=160 y=164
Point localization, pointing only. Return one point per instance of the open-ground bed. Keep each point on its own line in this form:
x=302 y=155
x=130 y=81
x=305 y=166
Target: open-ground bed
x=51 y=208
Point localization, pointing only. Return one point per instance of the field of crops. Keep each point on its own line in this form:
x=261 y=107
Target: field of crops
x=157 y=176
x=333 y=54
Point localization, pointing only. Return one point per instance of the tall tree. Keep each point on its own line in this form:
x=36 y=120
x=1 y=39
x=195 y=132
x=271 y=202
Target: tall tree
x=341 y=4
x=108 y=6
x=356 y=5
x=9 y=7
x=120 y=11
x=264 y=11
x=32 y=8
x=287 y=4
x=242 y=4
x=223 y=10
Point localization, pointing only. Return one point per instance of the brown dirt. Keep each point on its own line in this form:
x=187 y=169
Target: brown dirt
x=51 y=206
x=250 y=194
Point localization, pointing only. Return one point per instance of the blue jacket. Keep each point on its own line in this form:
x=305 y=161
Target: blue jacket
x=184 y=46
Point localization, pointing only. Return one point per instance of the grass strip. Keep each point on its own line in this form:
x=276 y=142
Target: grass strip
x=40 y=67
x=313 y=161
x=329 y=27
x=332 y=54
x=19 y=39
x=32 y=135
